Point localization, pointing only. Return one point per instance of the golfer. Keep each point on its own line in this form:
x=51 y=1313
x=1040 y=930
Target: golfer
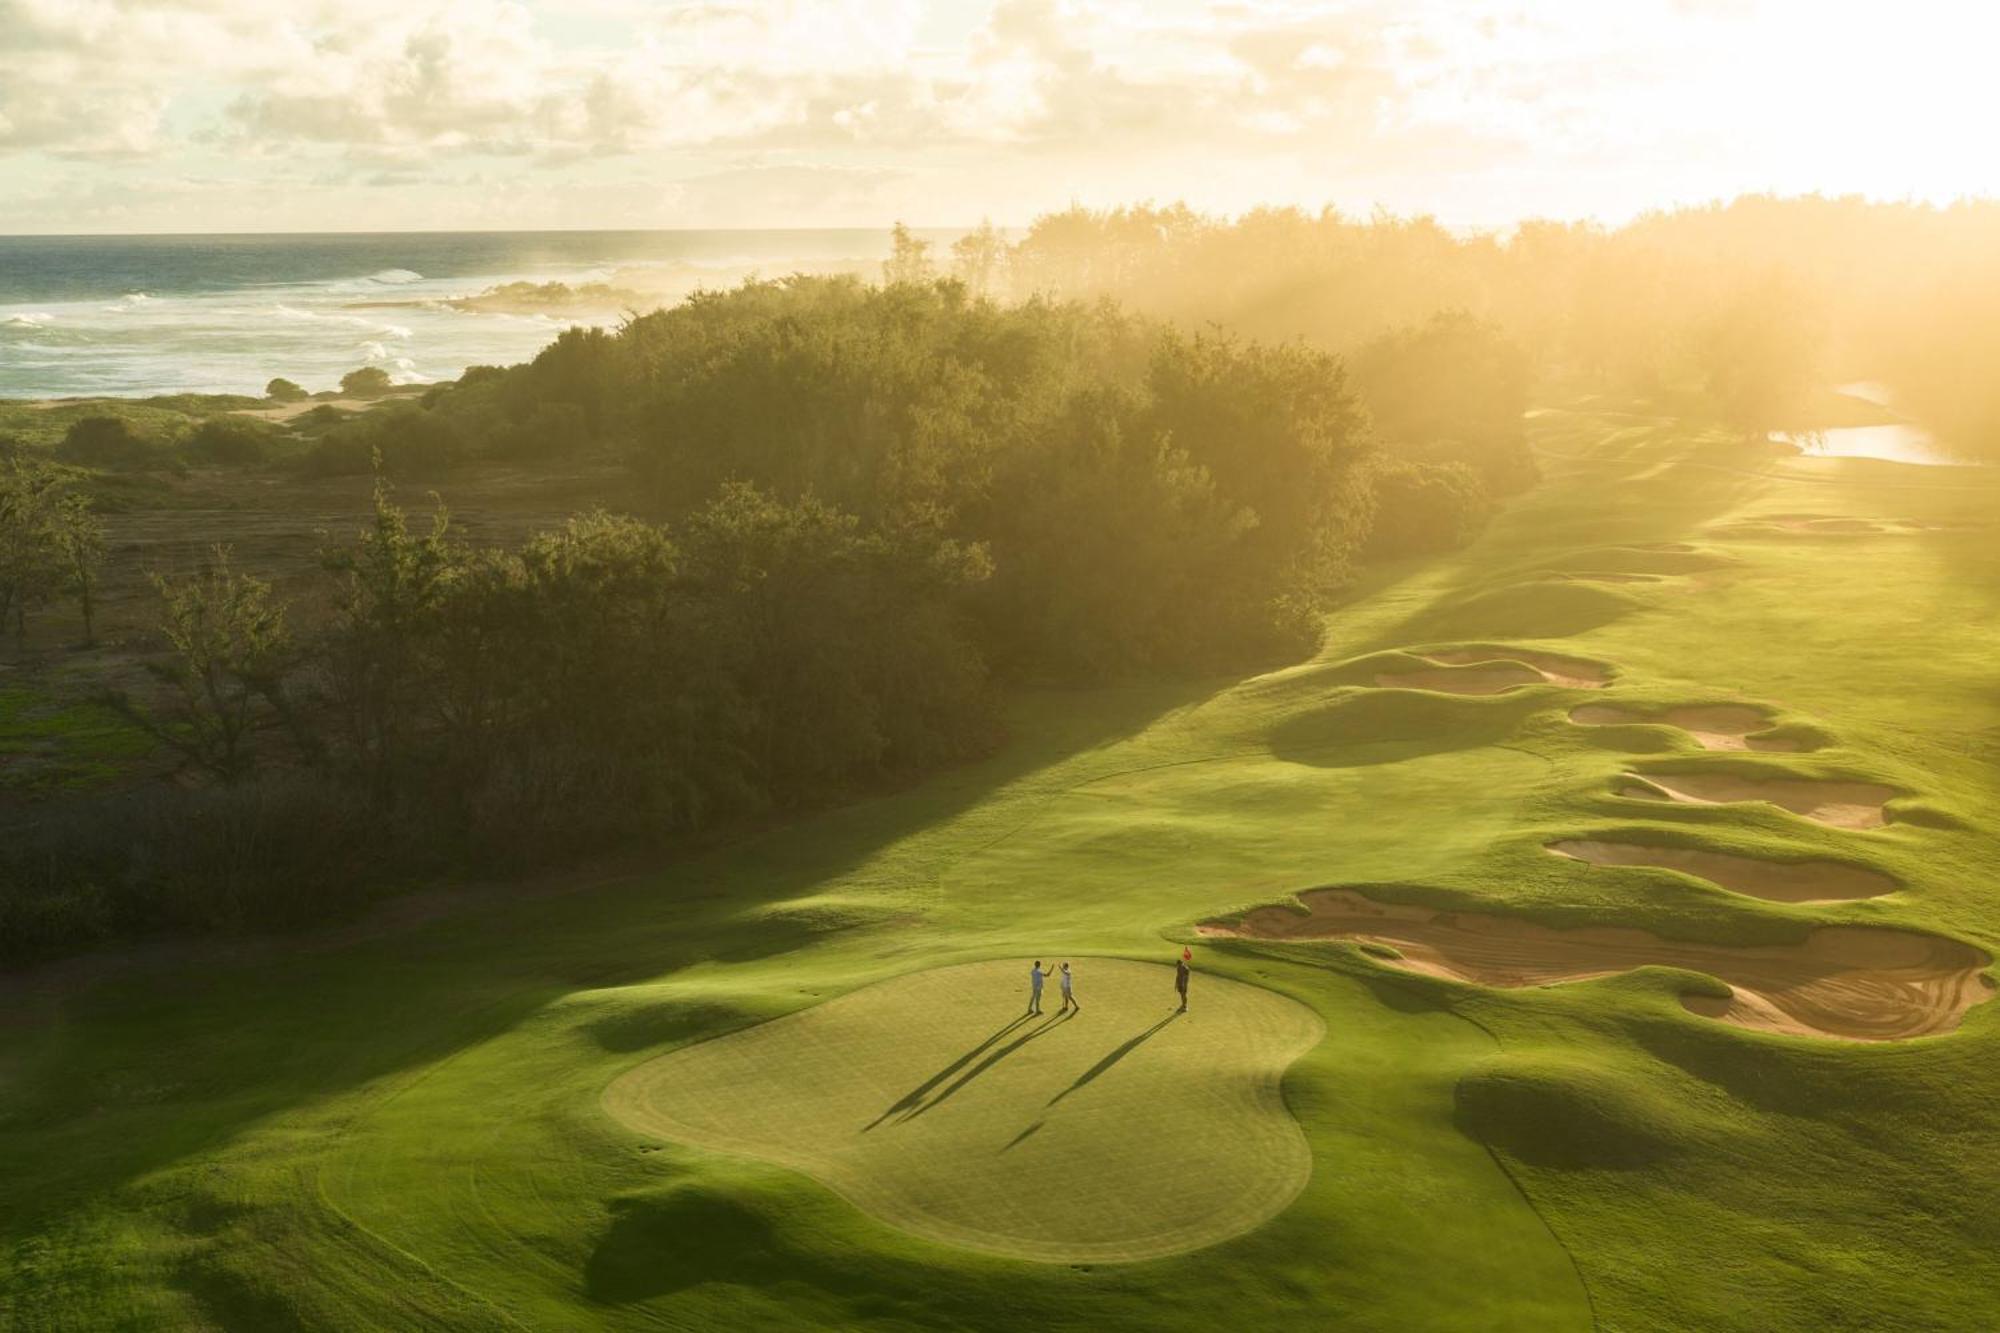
x=1069 y=1000
x=1035 y=979
x=1181 y=976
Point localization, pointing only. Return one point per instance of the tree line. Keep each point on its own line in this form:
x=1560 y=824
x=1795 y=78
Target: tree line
x=884 y=503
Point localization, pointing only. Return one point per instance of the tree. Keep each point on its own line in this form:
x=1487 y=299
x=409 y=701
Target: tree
x=1760 y=352
x=366 y=382
x=909 y=258
x=1421 y=508
x=32 y=563
x=1452 y=389
x=394 y=584
x=976 y=258
x=231 y=654
x=284 y=391
x=79 y=536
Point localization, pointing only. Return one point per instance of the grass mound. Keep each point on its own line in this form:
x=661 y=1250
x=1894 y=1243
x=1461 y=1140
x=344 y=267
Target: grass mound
x=1538 y=610
x=1554 y=1113
x=1812 y=881
x=1123 y=1131
x=1411 y=721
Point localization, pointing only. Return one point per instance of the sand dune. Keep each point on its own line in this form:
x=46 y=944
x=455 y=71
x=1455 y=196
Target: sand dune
x=1779 y=881
x=1855 y=982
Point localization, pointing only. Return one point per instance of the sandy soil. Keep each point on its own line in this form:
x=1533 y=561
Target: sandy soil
x=1855 y=805
x=1854 y=982
x=286 y=411
x=1778 y=881
x=1716 y=727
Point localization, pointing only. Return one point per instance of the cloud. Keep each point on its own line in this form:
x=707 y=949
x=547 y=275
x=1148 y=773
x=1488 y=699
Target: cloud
x=1015 y=105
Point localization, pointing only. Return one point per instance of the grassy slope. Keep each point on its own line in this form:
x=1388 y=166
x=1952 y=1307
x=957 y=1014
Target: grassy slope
x=406 y=1133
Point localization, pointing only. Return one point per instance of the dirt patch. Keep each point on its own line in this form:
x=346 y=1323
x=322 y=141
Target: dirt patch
x=1778 y=881
x=1714 y=727
x=1854 y=805
x=1860 y=983
x=1495 y=671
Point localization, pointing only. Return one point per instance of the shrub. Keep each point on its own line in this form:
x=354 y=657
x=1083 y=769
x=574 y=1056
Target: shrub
x=366 y=382
x=1424 y=507
x=110 y=442
x=284 y=391
x=232 y=440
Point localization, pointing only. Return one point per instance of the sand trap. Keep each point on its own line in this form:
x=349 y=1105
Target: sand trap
x=1495 y=671
x=1778 y=881
x=1855 y=982
x=1768 y=525
x=1839 y=804
x=1585 y=577
x=1812 y=523
x=1715 y=727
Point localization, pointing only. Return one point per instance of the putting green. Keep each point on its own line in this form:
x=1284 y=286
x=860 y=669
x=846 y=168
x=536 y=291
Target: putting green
x=1124 y=1131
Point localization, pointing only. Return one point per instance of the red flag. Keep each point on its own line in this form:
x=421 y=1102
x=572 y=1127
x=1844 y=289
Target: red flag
x=1187 y=954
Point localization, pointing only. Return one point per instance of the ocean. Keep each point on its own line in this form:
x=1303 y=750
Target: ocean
x=138 y=315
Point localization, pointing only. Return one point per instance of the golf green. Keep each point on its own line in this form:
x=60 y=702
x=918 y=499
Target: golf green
x=1122 y=1130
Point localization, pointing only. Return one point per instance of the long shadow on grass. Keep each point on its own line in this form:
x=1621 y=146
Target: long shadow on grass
x=1118 y=1053
x=219 y=1044
x=986 y=1064
x=916 y=1095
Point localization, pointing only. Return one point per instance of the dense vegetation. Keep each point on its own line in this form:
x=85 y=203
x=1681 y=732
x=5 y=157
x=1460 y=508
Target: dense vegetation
x=878 y=501
x=1739 y=311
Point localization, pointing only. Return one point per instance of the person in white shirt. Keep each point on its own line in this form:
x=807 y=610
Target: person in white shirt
x=1069 y=999
x=1035 y=979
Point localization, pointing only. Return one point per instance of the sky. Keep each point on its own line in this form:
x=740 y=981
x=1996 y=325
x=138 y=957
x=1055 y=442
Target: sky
x=277 y=115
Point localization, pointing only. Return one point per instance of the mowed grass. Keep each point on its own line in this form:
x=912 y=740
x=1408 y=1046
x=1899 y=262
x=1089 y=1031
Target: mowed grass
x=1127 y=1130
x=410 y=1131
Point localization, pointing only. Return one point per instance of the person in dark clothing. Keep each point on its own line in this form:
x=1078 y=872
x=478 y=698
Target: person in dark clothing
x=1181 y=978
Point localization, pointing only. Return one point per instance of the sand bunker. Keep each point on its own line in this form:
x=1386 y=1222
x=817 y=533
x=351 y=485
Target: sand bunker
x=1495 y=671
x=1861 y=983
x=1716 y=727
x=1813 y=523
x=1586 y=577
x=1839 y=804
x=1778 y=881
x=1822 y=525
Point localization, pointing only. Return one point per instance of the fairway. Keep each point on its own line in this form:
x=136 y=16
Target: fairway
x=1124 y=1130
